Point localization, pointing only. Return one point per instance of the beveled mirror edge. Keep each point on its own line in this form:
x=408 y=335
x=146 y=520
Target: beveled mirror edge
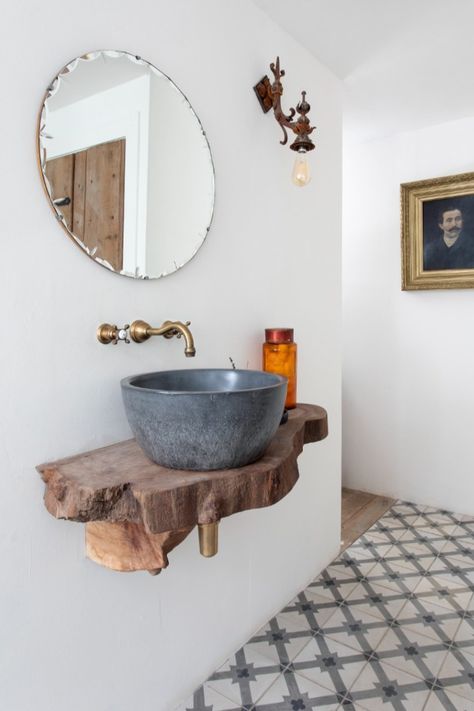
x=87 y=56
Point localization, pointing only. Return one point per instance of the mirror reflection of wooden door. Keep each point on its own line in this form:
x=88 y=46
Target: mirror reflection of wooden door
x=93 y=181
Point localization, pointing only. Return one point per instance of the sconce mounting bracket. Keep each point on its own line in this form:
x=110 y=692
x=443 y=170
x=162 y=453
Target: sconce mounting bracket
x=264 y=93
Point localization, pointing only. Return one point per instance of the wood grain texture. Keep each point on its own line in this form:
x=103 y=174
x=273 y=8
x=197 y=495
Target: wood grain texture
x=94 y=181
x=119 y=483
x=127 y=547
x=60 y=174
x=136 y=511
x=360 y=510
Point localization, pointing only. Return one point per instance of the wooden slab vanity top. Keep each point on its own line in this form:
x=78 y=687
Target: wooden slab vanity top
x=119 y=483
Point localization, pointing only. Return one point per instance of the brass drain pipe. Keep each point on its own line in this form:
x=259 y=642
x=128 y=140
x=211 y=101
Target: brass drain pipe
x=208 y=538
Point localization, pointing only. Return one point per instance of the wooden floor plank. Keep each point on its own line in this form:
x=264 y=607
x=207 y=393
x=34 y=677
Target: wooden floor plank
x=360 y=511
x=353 y=502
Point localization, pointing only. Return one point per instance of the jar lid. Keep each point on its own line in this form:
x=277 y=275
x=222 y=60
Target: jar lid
x=279 y=335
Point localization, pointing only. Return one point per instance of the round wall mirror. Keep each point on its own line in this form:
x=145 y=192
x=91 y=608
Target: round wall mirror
x=126 y=164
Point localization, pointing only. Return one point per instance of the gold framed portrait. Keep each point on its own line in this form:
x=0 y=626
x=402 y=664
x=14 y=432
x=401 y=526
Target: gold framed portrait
x=437 y=218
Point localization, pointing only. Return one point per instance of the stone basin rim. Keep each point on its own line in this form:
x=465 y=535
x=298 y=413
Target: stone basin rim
x=275 y=381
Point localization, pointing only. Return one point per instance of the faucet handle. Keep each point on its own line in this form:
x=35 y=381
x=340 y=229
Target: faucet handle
x=109 y=333
x=174 y=332
x=177 y=333
x=122 y=335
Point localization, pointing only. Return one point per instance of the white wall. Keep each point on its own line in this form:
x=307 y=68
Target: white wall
x=408 y=389
x=75 y=635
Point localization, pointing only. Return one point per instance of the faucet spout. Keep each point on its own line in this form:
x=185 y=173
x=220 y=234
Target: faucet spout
x=141 y=331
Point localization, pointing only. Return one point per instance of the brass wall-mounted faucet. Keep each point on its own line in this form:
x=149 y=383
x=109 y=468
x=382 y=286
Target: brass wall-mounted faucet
x=141 y=331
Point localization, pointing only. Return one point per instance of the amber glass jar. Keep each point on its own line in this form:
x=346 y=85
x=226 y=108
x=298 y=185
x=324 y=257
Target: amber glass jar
x=279 y=356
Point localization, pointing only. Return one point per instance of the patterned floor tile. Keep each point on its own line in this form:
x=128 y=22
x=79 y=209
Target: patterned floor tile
x=384 y=533
x=415 y=557
x=393 y=576
x=434 y=538
x=292 y=692
x=407 y=508
x=465 y=632
x=444 y=592
x=458 y=572
x=380 y=686
x=411 y=652
x=438 y=518
x=307 y=611
x=444 y=700
x=393 y=526
x=245 y=676
x=376 y=600
x=457 y=674
x=356 y=629
x=369 y=547
x=335 y=575
x=430 y=620
x=388 y=625
x=206 y=699
x=335 y=582
x=330 y=664
x=280 y=639
x=352 y=566
x=459 y=550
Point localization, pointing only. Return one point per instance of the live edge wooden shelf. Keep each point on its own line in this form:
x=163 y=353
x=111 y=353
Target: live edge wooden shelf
x=136 y=511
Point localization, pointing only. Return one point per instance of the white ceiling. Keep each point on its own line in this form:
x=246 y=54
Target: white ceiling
x=404 y=63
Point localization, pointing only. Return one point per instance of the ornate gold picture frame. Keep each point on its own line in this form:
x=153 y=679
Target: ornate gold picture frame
x=438 y=233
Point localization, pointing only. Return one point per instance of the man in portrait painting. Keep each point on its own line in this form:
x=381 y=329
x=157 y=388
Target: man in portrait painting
x=452 y=248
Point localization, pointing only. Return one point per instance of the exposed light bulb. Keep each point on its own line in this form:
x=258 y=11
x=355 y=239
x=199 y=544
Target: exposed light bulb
x=301 y=175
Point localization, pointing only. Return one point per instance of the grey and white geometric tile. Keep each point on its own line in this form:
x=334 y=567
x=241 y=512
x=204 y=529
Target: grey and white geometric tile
x=461 y=541
x=335 y=583
x=384 y=533
x=430 y=620
x=435 y=538
x=370 y=547
x=375 y=600
x=245 y=676
x=444 y=592
x=460 y=550
x=444 y=700
x=457 y=674
x=465 y=633
x=330 y=664
x=352 y=566
x=411 y=652
x=415 y=557
x=466 y=527
x=394 y=576
x=279 y=641
x=293 y=692
x=360 y=631
x=408 y=507
x=206 y=699
x=380 y=686
x=393 y=525
x=388 y=625
x=460 y=572
x=430 y=516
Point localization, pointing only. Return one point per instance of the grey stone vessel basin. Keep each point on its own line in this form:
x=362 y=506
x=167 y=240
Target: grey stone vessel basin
x=204 y=419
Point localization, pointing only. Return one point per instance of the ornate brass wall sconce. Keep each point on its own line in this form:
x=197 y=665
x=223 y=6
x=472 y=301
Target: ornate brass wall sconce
x=269 y=96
